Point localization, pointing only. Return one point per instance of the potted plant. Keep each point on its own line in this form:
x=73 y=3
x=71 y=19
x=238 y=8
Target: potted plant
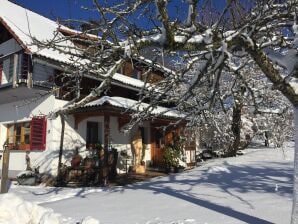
x=76 y=159
x=172 y=155
x=171 y=158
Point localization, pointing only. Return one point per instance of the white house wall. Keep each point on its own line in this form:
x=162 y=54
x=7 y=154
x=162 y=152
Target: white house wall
x=82 y=127
x=118 y=139
x=21 y=111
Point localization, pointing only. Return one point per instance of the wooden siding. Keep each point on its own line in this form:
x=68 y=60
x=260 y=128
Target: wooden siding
x=42 y=73
x=131 y=71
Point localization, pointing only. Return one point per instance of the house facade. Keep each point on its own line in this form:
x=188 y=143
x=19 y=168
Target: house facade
x=29 y=95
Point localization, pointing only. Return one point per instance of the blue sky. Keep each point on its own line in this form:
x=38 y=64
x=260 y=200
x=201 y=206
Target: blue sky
x=54 y=9
x=72 y=9
x=65 y=9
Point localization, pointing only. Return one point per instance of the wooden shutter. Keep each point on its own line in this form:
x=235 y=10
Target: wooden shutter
x=1 y=71
x=38 y=133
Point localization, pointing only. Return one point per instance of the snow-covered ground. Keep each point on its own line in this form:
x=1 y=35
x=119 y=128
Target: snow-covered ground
x=254 y=188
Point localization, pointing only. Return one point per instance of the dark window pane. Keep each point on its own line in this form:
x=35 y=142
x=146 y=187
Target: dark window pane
x=92 y=133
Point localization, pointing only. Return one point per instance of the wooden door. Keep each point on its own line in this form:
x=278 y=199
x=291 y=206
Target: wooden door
x=157 y=142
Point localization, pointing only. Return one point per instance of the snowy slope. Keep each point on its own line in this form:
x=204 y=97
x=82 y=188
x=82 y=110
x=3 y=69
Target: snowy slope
x=254 y=188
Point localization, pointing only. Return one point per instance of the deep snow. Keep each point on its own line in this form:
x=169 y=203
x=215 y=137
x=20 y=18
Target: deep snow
x=253 y=188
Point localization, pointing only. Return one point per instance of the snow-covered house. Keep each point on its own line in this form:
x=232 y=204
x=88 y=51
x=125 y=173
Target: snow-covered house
x=27 y=80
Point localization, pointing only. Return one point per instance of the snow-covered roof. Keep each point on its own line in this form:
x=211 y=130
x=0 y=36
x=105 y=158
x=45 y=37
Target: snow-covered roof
x=129 y=81
x=156 y=65
x=129 y=104
x=25 y=25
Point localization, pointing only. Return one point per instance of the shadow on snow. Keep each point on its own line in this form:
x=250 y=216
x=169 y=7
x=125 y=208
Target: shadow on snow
x=273 y=179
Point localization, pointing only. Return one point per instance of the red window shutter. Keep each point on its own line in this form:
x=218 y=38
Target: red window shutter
x=1 y=71
x=38 y=133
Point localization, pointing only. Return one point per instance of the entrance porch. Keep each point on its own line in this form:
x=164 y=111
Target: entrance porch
x=140 y=147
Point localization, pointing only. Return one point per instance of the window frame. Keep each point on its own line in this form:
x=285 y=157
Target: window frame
x=30 y=134
x=12 y=134
x=99 y=139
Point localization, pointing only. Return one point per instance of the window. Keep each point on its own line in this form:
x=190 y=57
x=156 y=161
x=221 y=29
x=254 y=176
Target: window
x=18 y=136
x=10 y=134
x=94 y=133
x=159 y=138
x=27 y=135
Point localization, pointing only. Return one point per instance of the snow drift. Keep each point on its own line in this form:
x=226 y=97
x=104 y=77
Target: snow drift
x=14 y=210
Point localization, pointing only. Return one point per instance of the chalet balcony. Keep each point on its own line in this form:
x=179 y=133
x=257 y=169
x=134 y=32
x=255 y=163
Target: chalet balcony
x=15 y=68
x=16 y=82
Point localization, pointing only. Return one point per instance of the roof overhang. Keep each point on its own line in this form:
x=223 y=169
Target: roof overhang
x=127 y=108
x=22 y=92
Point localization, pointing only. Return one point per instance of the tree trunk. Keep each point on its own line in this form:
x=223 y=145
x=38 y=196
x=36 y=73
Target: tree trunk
x=59 y=175
x=294 y=217
x=236 y=128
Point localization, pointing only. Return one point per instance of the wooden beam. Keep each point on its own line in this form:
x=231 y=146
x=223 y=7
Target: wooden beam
x=15 y=70
x=5 y=167
x=29 y=80
x=106 y=131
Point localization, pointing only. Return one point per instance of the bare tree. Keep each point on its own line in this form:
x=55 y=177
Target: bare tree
x=248 y=107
